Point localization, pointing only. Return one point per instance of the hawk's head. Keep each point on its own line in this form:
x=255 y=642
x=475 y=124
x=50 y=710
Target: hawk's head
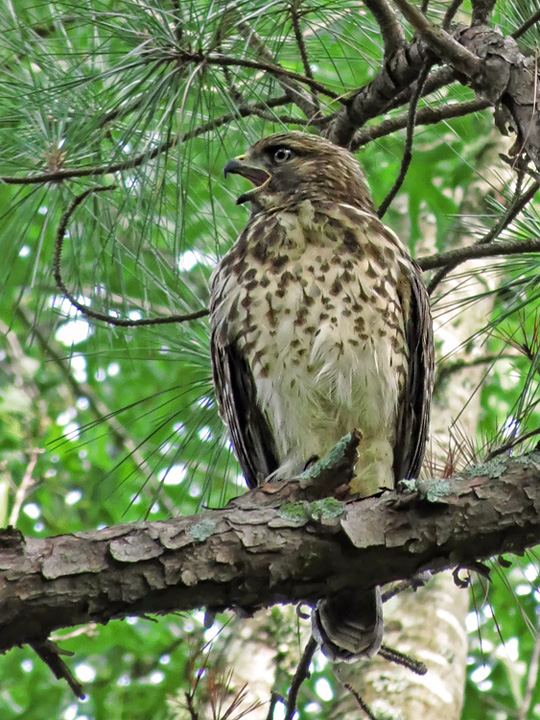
x=288 y=167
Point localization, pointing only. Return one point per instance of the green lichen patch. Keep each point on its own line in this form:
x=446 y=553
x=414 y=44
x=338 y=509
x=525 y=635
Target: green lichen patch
x=435 y=491
x=202 y=530
x=326 y=509
x=294 y=512
x=531 y=459
x=492 y=468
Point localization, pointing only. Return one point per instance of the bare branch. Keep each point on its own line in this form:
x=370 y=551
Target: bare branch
x=472 y=252
x=424 y=116
x=262 y=549
x=407 y=150
x=299 y=37
x=450 y=13
x=532 y=675
x=296 y=93
x=86 y=311
x=301 y=674
x=50 y=653
x=526 y=25
x=516 y=206
x=391 y=30
x=441 y=42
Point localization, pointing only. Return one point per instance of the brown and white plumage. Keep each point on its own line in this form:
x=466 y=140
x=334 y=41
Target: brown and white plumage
x=320 y=324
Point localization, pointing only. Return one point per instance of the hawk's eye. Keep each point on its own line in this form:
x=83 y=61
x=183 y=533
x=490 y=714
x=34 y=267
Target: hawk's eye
x=281 y=155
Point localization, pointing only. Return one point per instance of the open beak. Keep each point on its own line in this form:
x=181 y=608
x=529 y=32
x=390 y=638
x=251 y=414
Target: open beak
x=255 y=174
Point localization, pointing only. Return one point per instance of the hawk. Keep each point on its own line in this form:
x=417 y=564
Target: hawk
x=320 y=323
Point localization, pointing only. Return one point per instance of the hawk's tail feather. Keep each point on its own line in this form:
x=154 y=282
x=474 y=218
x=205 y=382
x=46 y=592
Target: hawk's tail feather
x=349 y=625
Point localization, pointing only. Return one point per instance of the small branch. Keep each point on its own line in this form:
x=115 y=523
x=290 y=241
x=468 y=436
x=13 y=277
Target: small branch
x=436 y=80
x=399 y=658
x=86 y=311
x=301 y=674
x=526 y=25
x=503 y=449
x=268 y=64
x=472 y=252
x=49 y=652
x=138 y=160
x=299 y=37
x=445 y=370
x=361 y=702
x=407 y=150
x=391 y=30
x=515 y=207
x=25 y=485
x=450 y=13
x=424 y=116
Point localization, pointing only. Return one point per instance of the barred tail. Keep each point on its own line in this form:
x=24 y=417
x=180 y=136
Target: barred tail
x=349 y=625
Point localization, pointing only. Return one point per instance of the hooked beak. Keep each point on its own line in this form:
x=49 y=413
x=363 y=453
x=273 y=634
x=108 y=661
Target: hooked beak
x=255 y=174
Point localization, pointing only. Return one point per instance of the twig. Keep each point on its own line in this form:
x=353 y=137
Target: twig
x=137 y=160
x=399 y=658
x=450 y=13
x=516 y=206
x=49 y=652
x=438 y=79
x=274 y=699
x=299 y=37
x=424 y=116
x=86 y=311
x=26 y=483
x=302 y=672
x=361 y=702
x=503 y=449
x=193 y=714
x=445 y=371
x=391 y=30
x=407 y=150
x=472 y=252
x=526 y=25
x=292 y=90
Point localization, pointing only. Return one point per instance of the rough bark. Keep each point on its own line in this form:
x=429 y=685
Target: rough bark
x=248 y=555
x=479 y=56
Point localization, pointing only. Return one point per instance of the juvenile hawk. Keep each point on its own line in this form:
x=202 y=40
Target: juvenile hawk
x=320 y=324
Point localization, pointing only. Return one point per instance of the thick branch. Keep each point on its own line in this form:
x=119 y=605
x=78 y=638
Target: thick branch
x=263 y=549
x=492 y=64
x=391 y=30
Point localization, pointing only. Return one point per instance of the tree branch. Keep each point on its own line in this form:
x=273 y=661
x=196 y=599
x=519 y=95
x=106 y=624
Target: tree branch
x=262 y=548
x=391 y=30
x=137 y=160
x=472 y=252
x=424 y=116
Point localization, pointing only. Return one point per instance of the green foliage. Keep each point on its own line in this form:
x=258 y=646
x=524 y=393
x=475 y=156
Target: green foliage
x=100 y=425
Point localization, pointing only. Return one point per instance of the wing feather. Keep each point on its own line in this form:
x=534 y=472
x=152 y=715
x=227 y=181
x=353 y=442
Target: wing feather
x=237 y=400
x=415 y=408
